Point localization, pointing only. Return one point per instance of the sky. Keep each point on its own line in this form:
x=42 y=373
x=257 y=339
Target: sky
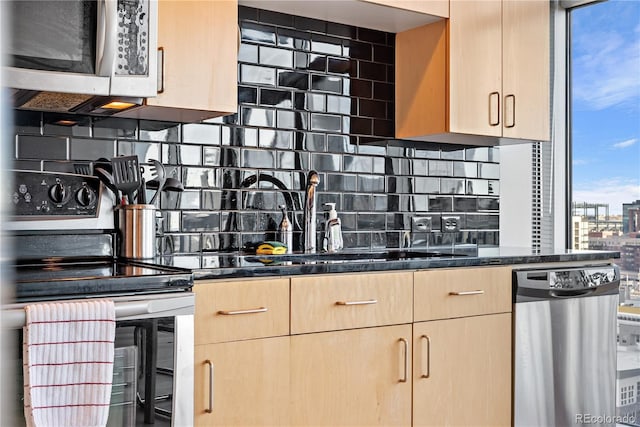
x=605 y=55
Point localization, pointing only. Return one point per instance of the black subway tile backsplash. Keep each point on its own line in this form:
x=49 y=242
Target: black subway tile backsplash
x=311 y=94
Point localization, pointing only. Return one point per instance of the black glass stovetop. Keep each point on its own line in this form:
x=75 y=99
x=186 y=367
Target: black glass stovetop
x=60 y=278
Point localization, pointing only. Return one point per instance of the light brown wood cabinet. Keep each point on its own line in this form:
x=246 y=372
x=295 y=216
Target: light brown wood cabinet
x=376 y=349
x=478 y=77
x=198 y=65
x=242 y=352
x=462 y=374
x=462 y=362
x=352 y=377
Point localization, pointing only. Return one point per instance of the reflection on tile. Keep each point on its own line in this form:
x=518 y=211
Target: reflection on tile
x=427 y=185
x=340 y=66
x=374 y=222
x=360 y=164
x=200 y=178
x=188 y=199
x=258 y=33
x=339 y=104
x=257 y=75
x=91 y=149
x=450 y=153
x=150 y=130
x=452 y=186
x=467 y=170
x=477 y=186
x=212 y=200
x=400 y=184
x=325 y=122
x=489 y=170
x=60 y=124
x=317 y=63
x=341 y=182
x=270 y=138
x=324 y=44
x=310 y=101
x=278 y=98
x=461 y=204
x=247 y=95
x=341 y=144
x=486 y=204
x=258 y=159
x=248 y=53
x=258 y=117
x=325 y=162
x=440 y=168
x=294 y=39
x=276 y=57
x=370 y=184
x=293 y=79
x=326 y=83
x=41 y=147
x=201 y=221
x=440 y=204
x=111 y=127
x=201 y=133
x=477 y=154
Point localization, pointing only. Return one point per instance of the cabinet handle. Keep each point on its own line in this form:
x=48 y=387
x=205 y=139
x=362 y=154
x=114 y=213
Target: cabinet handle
x=512 y=123
x=428 y=354
x=463 y=293
x=405 y=347
x=494 y=108
x=160 y=70
x=363 y=302
x=248 y=311
x=210 y=408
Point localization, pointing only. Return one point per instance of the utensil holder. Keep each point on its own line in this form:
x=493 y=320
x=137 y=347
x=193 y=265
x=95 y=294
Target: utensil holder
x=137 y=231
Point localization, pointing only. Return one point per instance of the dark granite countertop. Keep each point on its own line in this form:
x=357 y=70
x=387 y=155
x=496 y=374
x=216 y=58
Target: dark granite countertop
x=232 y=265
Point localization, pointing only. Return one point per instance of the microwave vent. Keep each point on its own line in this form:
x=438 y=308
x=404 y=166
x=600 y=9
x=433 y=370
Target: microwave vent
x=53 y=101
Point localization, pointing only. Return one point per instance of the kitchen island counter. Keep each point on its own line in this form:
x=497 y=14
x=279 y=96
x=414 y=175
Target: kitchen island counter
x=231 y=265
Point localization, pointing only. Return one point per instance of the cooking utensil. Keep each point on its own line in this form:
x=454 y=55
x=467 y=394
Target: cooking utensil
x=160 y=175
x=170 y=184
x=107 y=179
x=126 y=175
x=141 y=194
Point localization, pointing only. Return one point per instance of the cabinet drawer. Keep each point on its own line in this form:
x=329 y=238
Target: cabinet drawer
x=331 y=302
x=442 y=294
x=241 y=309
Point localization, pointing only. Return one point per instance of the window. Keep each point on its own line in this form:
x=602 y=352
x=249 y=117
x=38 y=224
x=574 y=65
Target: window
x=603 y=184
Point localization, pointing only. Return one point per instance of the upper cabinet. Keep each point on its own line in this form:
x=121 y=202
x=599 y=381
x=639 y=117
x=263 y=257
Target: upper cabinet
x=198 y=53
x=385 y=15
x=480 y=77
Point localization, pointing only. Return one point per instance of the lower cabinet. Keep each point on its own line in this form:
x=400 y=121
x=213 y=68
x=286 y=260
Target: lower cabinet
x=462 y=371
x=353 y=377
x=242 y=383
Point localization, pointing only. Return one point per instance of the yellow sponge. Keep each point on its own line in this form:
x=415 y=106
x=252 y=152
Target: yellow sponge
x=271 y=248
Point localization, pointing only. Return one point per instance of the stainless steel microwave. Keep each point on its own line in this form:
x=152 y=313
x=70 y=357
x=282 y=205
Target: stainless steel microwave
x=90 y=47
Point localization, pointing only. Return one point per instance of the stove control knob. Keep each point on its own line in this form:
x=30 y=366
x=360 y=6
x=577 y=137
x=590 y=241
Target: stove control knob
x=58 y=193
x=85 y=196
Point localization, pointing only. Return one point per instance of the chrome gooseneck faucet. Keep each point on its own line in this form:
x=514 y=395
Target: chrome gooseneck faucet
x=313 y=179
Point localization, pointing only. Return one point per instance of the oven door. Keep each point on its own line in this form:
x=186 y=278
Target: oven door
x=104 y=47
x=153 y=366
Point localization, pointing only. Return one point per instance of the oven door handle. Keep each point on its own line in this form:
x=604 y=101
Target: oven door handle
x=15 y=317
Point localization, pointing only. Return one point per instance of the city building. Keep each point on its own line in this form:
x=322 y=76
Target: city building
x=631 y=217
x=628 y=370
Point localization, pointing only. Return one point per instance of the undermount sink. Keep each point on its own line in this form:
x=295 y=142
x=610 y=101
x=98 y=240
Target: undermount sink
x=383 y=255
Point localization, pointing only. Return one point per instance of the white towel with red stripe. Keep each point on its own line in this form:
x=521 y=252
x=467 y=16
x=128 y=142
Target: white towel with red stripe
x=68 y=354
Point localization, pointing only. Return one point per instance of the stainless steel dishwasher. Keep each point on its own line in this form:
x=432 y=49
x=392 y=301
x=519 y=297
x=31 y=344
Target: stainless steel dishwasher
x=565 y=345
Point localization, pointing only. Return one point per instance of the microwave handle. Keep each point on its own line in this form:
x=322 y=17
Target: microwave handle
x=107 y=37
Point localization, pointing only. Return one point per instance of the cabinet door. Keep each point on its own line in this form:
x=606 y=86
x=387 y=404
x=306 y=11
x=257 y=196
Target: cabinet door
x=357 y=377
x=199 y=39
x=462 y=371
x=526 y=70
x=242 y=383
x=475 y=67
